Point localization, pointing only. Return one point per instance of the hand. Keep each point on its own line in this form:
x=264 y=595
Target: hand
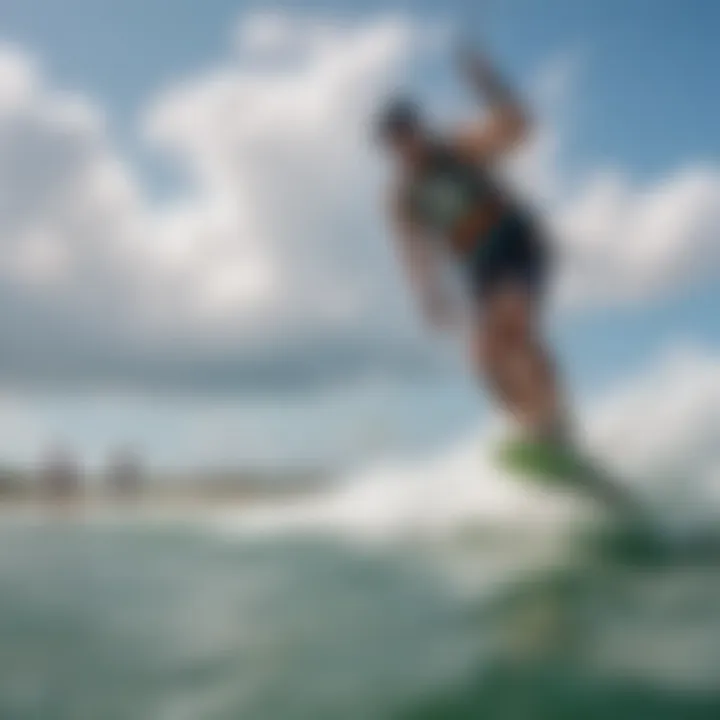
x=482 y=75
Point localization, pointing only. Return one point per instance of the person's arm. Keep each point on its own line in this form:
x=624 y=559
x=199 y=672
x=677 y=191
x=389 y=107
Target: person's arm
x=420 y=261
x=506 y=123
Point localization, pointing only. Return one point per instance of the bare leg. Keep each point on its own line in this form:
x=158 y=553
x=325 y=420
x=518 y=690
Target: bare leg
x=511 y=357
x=514 y=363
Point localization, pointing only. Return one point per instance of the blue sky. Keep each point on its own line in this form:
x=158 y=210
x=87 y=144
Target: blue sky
x=648 y=99
x=643 y=103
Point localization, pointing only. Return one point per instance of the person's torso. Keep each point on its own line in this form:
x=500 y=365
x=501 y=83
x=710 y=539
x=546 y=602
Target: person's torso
x=454 y=197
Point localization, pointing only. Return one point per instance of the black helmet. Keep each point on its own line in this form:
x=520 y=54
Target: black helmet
x=399 y=115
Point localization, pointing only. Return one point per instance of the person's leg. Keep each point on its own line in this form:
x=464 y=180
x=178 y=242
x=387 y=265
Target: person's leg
x=514 y=362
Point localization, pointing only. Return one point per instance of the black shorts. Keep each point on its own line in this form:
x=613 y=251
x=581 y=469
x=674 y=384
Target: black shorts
x=515 y=252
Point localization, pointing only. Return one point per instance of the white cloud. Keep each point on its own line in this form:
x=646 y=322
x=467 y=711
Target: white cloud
x=279 y=246
x=282 y=152
x=664 y=426
x=628 y=244
x=67 y=206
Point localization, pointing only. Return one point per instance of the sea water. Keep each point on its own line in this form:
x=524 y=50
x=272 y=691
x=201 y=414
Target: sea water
x=400 y=595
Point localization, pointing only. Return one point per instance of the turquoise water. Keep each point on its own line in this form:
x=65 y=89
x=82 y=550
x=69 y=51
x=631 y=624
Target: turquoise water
x=141 y=621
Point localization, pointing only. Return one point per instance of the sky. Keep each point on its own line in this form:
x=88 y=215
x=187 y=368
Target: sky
x=194 y=254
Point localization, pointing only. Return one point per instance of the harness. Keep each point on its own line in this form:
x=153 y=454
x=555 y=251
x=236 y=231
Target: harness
x=449 y=191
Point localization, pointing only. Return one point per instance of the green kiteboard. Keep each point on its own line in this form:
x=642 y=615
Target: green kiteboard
x=548 y=462
x=563 y=466
x=636 y=536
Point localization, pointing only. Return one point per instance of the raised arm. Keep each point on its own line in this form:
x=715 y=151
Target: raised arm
x=505 y=124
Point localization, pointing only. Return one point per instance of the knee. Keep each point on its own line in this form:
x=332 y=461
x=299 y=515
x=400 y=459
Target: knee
x=512 y=319
x=506 y=335
x=491 y=350
x=484 y=352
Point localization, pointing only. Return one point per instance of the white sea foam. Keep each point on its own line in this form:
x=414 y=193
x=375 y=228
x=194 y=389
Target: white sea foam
x=460 y=488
